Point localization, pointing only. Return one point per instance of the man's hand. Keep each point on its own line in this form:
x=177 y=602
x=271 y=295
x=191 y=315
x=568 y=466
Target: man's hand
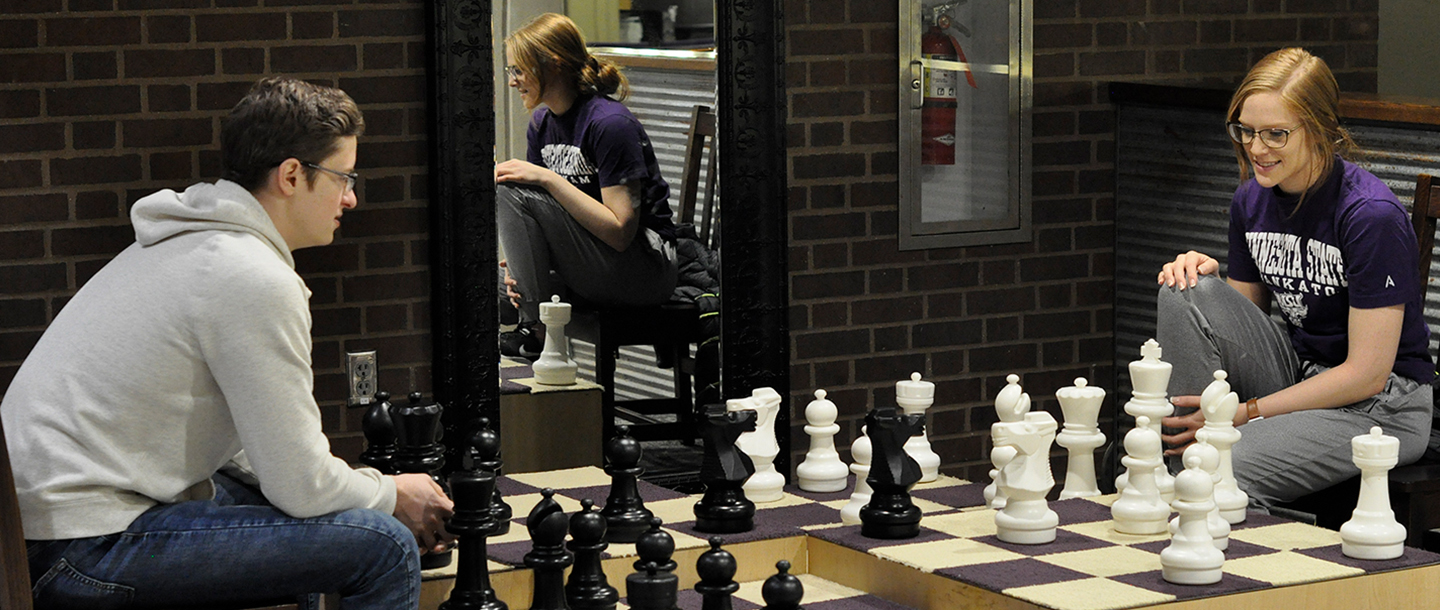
x=1188 y=424
x=422 y=506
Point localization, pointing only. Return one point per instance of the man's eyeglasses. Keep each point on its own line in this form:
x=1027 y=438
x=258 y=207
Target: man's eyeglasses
x=1273 y=138
x=350 y=178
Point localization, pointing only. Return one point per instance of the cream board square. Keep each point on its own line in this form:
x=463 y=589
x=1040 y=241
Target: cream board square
x=816 y=590
x=786 y=499
x=1105 y=530
x=1287 y=536
x=522 y=504
x=682 y=541
x=1105 y=561
x=540 y=388
x=931 y=556
x=929 y=508
x=1088 y=594
x=584 y=476
x=964 y=524
x=676 y=510
x=943 y=481
x=1288 y=568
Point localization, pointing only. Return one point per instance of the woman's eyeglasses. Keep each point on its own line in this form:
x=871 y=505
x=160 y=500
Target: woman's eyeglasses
x=1273 y=138
x=513 y=72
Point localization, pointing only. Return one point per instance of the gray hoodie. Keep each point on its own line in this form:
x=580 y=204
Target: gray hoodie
x=191 y=345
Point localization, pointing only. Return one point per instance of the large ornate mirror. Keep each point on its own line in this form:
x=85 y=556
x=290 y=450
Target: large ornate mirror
x=751 y=116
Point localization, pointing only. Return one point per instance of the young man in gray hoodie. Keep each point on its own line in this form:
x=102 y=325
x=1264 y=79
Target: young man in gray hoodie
x=164 y=435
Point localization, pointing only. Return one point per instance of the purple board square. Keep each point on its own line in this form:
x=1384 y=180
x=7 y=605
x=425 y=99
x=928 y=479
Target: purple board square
x=843 y=494
x=862 y=602
x=1001 y=575
x=510 y=373
x=956 y=496
x=511 y=487
x=1065 y=542
x=1078 y=510
x=1257 y=519
x=688 y=599
x=850 y=538
x=765 y=529
x=509 y=553
x=1412 y=557
x=1236 y=550
x=799 y=515
x=1151 y=581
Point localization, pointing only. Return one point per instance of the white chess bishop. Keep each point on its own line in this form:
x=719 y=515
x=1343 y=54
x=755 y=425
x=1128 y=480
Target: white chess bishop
x=555 y=366
x=1080 y=404
x=767 y=484
x=1191 y=558
x=822 y=471
x=1140 y=509
x=1209 y=458
x=1372 y=531
x=1218 y=405
x=1149 y=381
x=1011 y=405
x=913 y=397
x=861 y=451
x=1022 y=455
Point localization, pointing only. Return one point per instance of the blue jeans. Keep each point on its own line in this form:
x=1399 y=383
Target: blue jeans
x=234 y=549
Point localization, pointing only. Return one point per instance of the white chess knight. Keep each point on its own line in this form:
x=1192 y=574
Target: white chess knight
x=1218 y=405
x=914 y=397
x=1011 y=405
x=1191 y=558
x=1080 y=404
x=861 y=451
x=1149 y=381
x=1022 y=455
x=822 y=471
x=1372 y=531
x=1209 y=462
x=555 y=366
x=1140 y=509
x=767 y=484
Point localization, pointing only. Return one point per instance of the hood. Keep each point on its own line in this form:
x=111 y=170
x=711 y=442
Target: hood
x=223 y=206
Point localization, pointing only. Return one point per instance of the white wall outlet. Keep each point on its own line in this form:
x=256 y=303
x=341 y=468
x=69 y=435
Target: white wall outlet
x=362 y=370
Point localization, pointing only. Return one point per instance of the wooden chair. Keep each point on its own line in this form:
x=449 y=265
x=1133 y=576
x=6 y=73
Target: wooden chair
x=671 y=327
x=1414 y=489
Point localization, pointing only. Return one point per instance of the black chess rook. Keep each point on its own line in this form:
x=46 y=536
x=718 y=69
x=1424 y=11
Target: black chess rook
x=625 y=512
x=547 y=557
x=472 y=522
x=891 y=515
x=587 y=588
x=724 y=509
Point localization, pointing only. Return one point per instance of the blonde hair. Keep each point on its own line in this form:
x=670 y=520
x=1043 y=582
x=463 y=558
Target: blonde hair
x=1307 y=88
x=551 y=47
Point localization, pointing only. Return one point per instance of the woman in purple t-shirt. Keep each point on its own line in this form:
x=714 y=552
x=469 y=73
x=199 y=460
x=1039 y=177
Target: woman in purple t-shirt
x=587 y=207
x=1333 y=247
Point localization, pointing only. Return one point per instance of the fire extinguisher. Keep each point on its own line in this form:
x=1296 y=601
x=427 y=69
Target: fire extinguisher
x=937 y=114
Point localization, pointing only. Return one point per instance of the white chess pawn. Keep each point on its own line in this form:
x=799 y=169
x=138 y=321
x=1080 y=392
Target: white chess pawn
x=914 y=397
x=1149 y=381
x=1372 y=531
x=767 y=484
x=1140 y=509
x=1210 y=463
x=822 y=471
x=1218 y=405
x=1011 y=405
x=861 y=452
x=555 y=367
x=1080 y=405
x=1191 y=558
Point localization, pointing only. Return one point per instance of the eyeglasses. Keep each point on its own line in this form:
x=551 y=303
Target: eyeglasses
x=350 y=178
x=1273 y=138
x=514 y=72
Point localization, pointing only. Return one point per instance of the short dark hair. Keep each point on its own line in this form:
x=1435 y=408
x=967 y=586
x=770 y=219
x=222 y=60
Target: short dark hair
x=282 y=118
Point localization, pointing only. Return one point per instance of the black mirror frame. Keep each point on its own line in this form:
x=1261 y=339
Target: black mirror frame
x=751 y=105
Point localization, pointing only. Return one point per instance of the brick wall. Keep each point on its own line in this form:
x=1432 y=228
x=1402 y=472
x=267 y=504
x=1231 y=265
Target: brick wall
x=105 y=101
x=865 y=314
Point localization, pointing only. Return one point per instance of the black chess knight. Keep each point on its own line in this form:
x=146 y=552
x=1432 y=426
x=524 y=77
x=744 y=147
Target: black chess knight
x=724 y=509
x=547 y=557
x=890 y=514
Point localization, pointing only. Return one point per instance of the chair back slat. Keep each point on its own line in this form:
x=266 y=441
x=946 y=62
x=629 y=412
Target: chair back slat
x=14 y=565
x=702 y=128
x=1423 y=215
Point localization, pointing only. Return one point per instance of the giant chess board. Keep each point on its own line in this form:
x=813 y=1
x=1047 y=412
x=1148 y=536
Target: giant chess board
x=957 y=561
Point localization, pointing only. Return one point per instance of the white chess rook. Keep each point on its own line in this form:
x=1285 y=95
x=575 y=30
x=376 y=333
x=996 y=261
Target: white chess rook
x=1140 y=509
x=1218 y=405
x=1372 y=531
x=1191 y=558
x=822 y=471
x=1022 y=455
x=914 y=397
x=861 y=451
x=767 y=484
x=1150 y=380
x=1210 y=463
x=1011 y=405
x=555 y=367
x=1080 y=405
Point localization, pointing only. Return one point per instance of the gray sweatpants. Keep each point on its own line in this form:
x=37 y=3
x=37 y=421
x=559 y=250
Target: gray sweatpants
x=540 y=237
x=1278 y=459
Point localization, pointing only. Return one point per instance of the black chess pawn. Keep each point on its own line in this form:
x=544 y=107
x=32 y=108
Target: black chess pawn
x=716 y=568
x=547 y=557
x=654 y=586
x=891 y=515
x=625 y=512
x=782 y=591
x=379 y=432
x=484 y=453
x=724 y=509
x=417 y=436
x=472 y=522
x=587 y=588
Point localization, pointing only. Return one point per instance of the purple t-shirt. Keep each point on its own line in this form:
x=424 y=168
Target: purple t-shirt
x=1349 y=245
x=598 y=144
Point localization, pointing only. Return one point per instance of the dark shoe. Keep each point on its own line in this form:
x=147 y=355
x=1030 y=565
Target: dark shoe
x=521 y=343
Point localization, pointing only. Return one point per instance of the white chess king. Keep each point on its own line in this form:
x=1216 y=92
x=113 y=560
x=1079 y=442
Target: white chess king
x=822 y=471
x=555 y=367
x=1150 y=380
x=1080 y=404
x=1372 y=531
x=914 y=397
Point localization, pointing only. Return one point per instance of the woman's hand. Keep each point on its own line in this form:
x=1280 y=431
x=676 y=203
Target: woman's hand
x=1187 y=424
x=1187 y=269
x=510 y=286
x=523 y=172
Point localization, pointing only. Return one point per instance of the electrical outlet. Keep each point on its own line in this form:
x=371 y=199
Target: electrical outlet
x=362 y=371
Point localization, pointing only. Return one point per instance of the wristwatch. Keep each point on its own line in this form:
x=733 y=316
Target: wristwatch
x=1252 y=410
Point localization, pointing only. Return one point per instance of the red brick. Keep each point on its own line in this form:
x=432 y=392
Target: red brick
x=826 y=42
x=403 y=153
x=1003 y=358
x=19 y=104
x=1057 y=35
x=23 y=173
x=82 y=6
x=403 y=349
x=1266 y=30
x=1054 y=268
x=827 y=285
x=832 y=344
x=385 y=222
x=828 y=104
x=334 y=258
x=887 y=369
x=1060 y=324
x=831 y=256
x=32 y=68
x=19 y=313
x=383 y=23
x=95 y=66
x=385 y=89
x=947 y=333
x=93 y=101
x=1075 y=152
x=884 y=280
x=1063 y=94
x=33 y=137
x=220 y=96
x=1164 y=33
x=382 y=56
x=91 y=240
x=941 y=277
x=334 y=321
x=385 y=255
x=171 y=166
x=242 y=61
x=1111 y=8
x=167 y=28
x=23 y=279
x=331 y=58
x=168 y=98
x=1005 y=300
x=1052 y=65
x=828 y=166
x=387 y=318
x=1112 y=63
x=874 y=72
x=95 y=170
x=879 y=311
x=1220 y=7
x=91 y=135
x=20 y=245
x=1111 y=34
x=92 y=31
x=240 y=27
x=1314 y=6
x=154 y=63
x=21 y=209
x=827 y=226
x=30 y=6
x=167 y=132
x=92 y=205
x=1357 y=27
x=1053 y=239
x=19 y=33
x=381 y=287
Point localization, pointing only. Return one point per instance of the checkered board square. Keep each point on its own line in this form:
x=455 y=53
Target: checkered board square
x=820 y=594
x=518 y=377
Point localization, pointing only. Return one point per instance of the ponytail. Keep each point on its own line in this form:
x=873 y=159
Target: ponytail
x=603 y=77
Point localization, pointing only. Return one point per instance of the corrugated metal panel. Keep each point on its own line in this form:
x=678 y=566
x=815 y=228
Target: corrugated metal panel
x=1175 y=177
